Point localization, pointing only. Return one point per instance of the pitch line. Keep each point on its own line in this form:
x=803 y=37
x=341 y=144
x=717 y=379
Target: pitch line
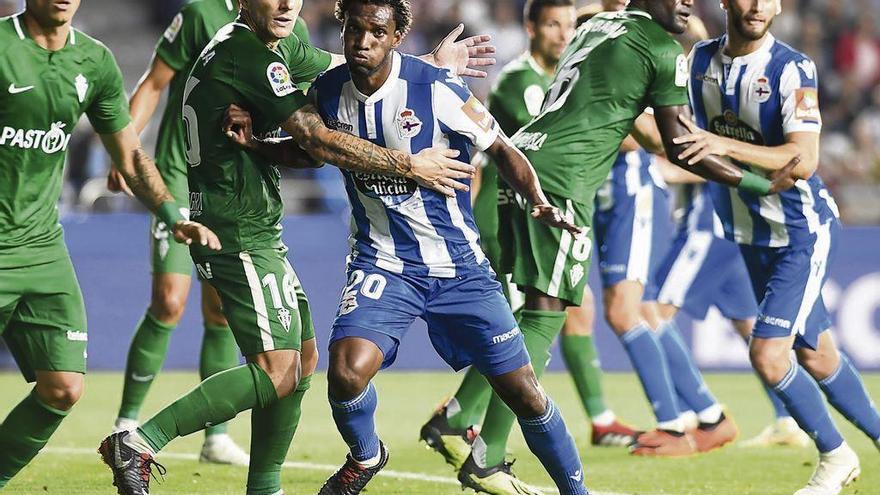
x=387 y=473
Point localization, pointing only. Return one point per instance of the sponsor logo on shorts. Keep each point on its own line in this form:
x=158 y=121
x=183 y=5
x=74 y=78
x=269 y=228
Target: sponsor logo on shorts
x=77 y=336
x=775 y=321
x=504 y=337
x=576 y=274
x=284 y=318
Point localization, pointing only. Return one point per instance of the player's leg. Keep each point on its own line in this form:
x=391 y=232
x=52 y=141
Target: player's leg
x=42 y=320
x=172 y=269
x=259 y=302
x=219 y=352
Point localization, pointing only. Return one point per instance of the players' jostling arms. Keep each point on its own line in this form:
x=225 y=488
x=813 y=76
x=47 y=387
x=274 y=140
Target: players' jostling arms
x=756 y=102
x=51 y=75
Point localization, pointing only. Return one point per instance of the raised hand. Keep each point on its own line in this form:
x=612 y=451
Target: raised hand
x=550 y=215
x=188 y=232
x=460 y=56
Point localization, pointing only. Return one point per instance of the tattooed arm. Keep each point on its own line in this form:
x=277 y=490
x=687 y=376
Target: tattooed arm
x=143 y=179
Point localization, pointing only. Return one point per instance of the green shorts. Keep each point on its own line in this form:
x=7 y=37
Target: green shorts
x=547 y=259
x=167 y=255
x=262 y=299
x=43 y=318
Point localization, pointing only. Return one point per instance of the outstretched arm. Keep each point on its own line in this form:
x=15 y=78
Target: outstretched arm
x=516 y=170
x=712 y=167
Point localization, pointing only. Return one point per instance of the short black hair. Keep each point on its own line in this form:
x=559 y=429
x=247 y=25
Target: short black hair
x=532 y=10
x=402 y=11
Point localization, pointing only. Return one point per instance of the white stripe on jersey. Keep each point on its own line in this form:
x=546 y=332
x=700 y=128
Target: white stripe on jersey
x=640 y=245
x=432 y=247
x=633 y=174
x=256 y=287
x=472 y=237
x=561 y=254
x=813 y=288
x=685 y=268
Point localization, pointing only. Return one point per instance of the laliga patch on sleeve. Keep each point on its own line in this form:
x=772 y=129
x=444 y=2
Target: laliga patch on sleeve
x=806 y=104
x=478 y=113
x=174 y=28
x=681 y=71
x=279 y=79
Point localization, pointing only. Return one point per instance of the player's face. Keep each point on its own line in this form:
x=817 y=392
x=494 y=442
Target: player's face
x=553 y=31
x=53 y=12
x=751 y=18
x=369 y=33
x=272 y=19
x=613 y=5
x=673 y=15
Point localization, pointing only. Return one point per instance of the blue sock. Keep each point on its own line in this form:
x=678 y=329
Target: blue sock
x=683 y=406
x=778 y=407
x=650 y=364
x=549 y=440
x=686 y=376
x=846 y=392
x=354 y=420
x=802 y=398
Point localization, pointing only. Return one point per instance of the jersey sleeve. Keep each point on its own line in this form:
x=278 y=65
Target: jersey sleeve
x=799 y=95
x=179 y=43
x=462 y=112
x=669 y=85
x=108 y=111
x=265 y=82
x=304 y=60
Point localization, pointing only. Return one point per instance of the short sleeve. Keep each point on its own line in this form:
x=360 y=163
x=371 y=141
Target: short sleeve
x=669 y=86
x=108 y=111
x=462 y=112
x=178 y=44
x=268 y=88
x=304 y=60
x=799 y=95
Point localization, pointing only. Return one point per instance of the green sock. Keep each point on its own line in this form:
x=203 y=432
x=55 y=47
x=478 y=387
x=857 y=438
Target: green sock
x=219 y=353
x=582 y=361
x=145 y=357
x=216 y=400
x=472 y=398
x=24 y=432
x=539 y=328
x=272 y=430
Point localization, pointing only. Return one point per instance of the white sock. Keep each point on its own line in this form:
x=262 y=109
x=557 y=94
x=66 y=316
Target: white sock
x=605 y=419
x=372 y=461
x=711 y=414
x=137 y=442
x=675 y=425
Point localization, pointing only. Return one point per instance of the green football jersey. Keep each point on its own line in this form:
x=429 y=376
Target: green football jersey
x=42 y=96
x=618 y=64
x=515 y=99
x=190 y=30
x=233 y=191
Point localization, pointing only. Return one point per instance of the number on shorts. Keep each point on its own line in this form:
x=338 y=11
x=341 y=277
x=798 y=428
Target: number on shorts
x=270 y=281
x=372 y=285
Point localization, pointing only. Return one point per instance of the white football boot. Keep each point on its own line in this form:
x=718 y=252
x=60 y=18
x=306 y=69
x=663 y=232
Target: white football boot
x=222 y=449
x=836 y=469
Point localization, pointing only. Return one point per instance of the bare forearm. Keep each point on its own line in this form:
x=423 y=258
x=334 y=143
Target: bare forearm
x=516 y=170
x=673 y=174
x=144 y=180
x=143 y=104
x=770 y=158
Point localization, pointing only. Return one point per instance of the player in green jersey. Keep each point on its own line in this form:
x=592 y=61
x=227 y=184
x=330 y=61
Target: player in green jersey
x=50 y=75
x=616 y=66
x=190 y=30
x=237 y=193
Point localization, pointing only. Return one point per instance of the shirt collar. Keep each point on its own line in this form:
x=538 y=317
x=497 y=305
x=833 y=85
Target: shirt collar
x=765 y=47
x=18 y=24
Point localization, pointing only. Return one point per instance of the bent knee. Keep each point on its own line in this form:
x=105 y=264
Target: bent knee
x=346 y=381
x=771 y=364
x=61 y=396
x=168 y=307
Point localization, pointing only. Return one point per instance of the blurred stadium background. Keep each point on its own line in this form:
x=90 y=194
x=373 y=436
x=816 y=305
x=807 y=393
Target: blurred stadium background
x=107 y=233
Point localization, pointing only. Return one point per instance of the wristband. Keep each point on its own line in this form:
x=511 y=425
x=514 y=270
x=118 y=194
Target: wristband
x=168 y=213
x=754 y=184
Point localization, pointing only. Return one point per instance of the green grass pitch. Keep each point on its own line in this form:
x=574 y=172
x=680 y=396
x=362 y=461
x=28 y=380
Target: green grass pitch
x=70 y=465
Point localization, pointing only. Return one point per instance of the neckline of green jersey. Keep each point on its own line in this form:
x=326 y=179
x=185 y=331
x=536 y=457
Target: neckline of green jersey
x=530 y=59
x=21 y=31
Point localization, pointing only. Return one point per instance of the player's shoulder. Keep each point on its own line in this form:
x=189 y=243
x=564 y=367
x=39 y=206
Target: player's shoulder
x=90 y=46
x=416 y=71
x=9 y=30
x=783 y=54
x=520 y=70
x=330 y=82
x=708 y=47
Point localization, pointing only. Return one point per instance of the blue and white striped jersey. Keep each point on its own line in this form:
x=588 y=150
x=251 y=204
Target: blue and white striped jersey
x=759 y=98
x=697 y=211
x=396 y=224
x=631 y=171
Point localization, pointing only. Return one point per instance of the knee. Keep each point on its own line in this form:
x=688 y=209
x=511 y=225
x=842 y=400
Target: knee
x=282 y=368
x=309 y=357
x=529 y=402
x=771 y=364
x=820 y=365
x=346 y=380
x=167 y=306
x=620 y=318
x=212 y=309
x=60 y=394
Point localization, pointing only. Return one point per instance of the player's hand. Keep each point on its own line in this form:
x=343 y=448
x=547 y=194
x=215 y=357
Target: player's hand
x=702 y=144
x=437 y=169
x=550 y=215
x=238 y=127
x=784 y=179
x=460 y=56
x=188 y=232
x=116 y=183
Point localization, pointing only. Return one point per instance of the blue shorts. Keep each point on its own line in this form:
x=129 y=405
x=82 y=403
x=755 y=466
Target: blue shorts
x=469 y=320
x=702 y=270
x=632 y=233
x=788 y=283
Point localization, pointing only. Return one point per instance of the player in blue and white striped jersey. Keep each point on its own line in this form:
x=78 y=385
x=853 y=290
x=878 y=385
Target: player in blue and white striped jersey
x=758 y=99
x=416 y=253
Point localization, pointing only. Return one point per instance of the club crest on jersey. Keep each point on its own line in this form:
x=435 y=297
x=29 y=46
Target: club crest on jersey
x=408 y=124
x=761 y=90
x=82 y=86
x=279 y=79
x=284 y=318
